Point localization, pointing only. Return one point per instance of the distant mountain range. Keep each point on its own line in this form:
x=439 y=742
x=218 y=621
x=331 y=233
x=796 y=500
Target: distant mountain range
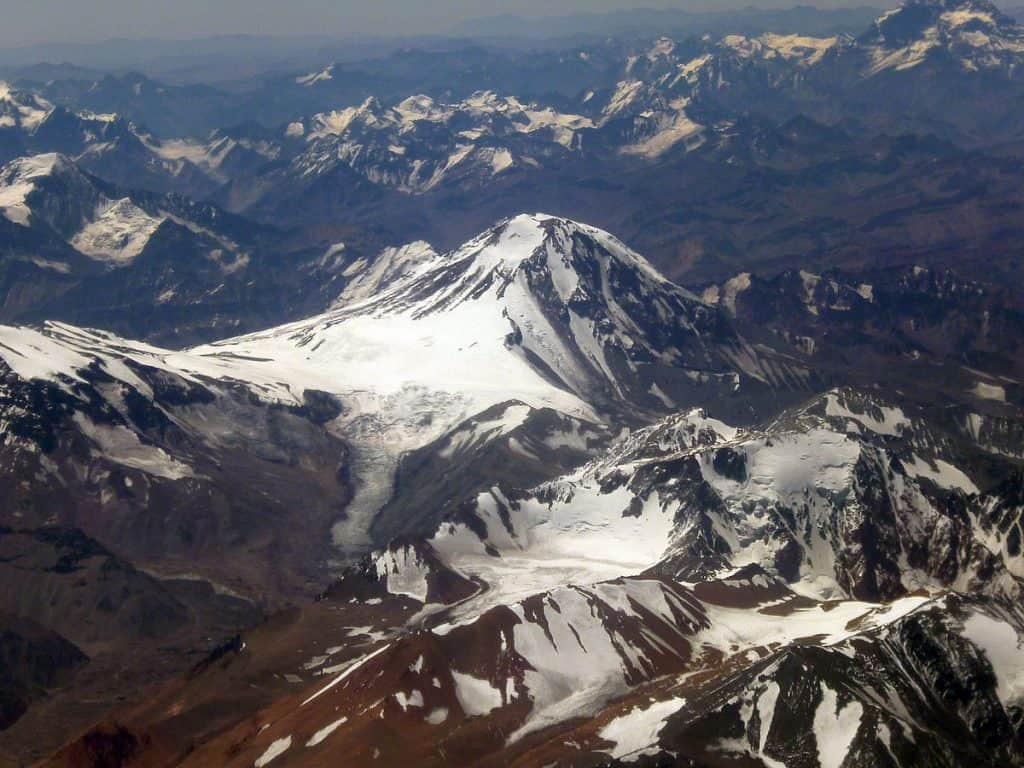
x=227 y=58
x=810 y=131
x=641 y=22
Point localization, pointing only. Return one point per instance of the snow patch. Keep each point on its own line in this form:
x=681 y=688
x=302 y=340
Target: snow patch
x=122 y=446
x=119 y=233
x=1005 y=652
x=475 y=696
x=635 y=734
x=940 y=472
x=986 y=391
x=404 y=573
x=275 y=750
x=835 y=728
x=413 y=699
x=437 y=716
x=326 y=731
x=17 y=182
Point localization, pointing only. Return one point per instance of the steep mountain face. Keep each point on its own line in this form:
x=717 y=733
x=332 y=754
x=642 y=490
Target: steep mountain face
x=895 y=324
x=32 y=660
x=868 y=697
x=103 y=434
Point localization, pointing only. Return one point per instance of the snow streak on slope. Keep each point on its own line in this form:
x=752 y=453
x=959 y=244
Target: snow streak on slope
x=119 y=233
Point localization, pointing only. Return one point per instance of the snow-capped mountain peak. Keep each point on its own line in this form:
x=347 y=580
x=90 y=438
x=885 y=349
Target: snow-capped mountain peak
x=578 y=305
x=18 y=179
x=568 y=313
x=567 y=252
x=973 y=34
x=50 y=191
x=21 y=109
x=554 y=294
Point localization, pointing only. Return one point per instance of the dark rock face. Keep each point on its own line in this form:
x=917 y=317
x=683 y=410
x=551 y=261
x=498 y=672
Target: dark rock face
x=731 y=464
x=81 y=629
x=432 y=481
x=109 y=746
x=56 y=429
x=94 y=598
x=33 y=660
x=881 y=323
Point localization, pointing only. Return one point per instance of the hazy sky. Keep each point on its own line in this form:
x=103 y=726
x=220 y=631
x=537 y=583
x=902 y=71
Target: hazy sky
x=30 y=21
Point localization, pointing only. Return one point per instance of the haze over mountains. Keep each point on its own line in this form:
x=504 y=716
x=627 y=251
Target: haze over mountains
x=205 y=56
x=647 y=394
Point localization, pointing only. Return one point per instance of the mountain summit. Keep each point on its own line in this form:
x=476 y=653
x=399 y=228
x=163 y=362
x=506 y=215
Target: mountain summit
x=971 y=34
x=560 y=313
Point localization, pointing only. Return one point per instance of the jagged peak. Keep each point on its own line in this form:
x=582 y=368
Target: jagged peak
x=916 y=18
x=523 y=237
x=18 y=181
x=955 y=5
x=36 y=166
x=10 y=92
x=539 y=271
